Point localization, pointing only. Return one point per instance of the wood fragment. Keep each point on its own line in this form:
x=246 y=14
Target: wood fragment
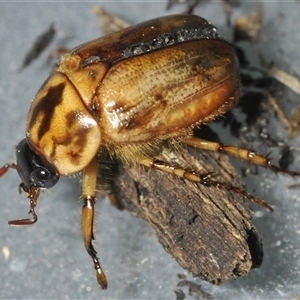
x=207 y=230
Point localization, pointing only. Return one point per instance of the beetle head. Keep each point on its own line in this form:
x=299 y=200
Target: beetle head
x=33 y=171
x=36 y=174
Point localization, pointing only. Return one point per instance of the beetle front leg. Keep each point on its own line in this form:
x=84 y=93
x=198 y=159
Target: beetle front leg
x=89 y=181
x=241 y=153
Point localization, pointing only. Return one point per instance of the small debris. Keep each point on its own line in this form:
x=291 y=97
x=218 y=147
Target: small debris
x=181 y=276
x=180 y=295
x=41 y=43
x=6 y=252
x=195 y=288
x=287 y=157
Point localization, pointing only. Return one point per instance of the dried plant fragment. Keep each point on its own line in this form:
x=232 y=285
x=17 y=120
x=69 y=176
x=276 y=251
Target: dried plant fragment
x=227 y=7
x=191 y=4
x=279 y=111
x=285 y=78
x=292 y=124
x=41 y=43
x=295 y=123
x=248 y=27
x=108 y=22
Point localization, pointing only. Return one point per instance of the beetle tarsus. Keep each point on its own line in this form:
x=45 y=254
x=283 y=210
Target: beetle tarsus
x=200 y=178
x=240 y=153
x=33 y=195
x=24 y=222
x=238 y=191
x=101 y=278
x=279 y=170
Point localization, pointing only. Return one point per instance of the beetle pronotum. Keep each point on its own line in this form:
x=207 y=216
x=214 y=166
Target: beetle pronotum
x=131 y=93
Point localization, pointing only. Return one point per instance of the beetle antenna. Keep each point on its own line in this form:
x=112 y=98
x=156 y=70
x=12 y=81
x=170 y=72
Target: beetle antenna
x=5 y=168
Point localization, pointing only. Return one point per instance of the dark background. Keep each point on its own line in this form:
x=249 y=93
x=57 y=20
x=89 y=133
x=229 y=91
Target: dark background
x=48 y=260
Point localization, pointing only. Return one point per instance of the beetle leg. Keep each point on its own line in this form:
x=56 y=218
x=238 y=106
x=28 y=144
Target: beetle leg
x=114 y=201
x=5 y=168
x=241 y=153
x=33 y=195
x=89 y=180
x=199 y=178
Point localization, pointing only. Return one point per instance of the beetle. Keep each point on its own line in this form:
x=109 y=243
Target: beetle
x=131 y=93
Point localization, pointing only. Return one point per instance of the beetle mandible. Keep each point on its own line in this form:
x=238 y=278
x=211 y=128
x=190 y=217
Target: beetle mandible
x=130 y=93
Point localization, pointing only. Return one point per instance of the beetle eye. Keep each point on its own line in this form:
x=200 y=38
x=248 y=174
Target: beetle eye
x=33 y=170
x=43 y=178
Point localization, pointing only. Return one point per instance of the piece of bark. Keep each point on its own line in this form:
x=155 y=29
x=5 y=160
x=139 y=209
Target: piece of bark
x=207 y=230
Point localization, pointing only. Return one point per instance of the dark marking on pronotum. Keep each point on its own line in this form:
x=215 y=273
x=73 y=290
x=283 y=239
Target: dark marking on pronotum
x=46 y=107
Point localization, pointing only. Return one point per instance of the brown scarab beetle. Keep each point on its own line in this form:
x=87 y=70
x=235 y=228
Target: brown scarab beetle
x=130 y=93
